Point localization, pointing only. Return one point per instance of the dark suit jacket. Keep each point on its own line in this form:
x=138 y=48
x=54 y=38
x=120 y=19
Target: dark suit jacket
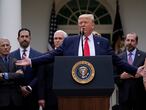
x=9 y=89
x=30 y=76
x=132 y=88
x=46 y=80
x=70 y=48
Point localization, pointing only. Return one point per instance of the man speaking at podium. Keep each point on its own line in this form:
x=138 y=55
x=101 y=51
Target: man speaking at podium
x=85 y=44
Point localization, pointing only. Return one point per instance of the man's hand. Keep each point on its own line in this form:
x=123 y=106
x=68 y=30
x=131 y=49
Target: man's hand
x=41 y=102
x=25 y=62
x=144 y=74
x=125 y=75
x=144 y=78
x=19 y=71
x=140 y=71
x=24 y=91
x=138 y=75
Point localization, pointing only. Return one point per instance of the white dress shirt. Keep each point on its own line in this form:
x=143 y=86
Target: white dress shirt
x=27 y=51
x=133 y=54
x=91 y=45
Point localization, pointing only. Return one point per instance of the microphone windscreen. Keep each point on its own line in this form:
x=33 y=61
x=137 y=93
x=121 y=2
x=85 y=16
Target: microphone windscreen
x=82 y=31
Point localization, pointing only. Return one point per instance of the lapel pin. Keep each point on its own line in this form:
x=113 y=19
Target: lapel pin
x=138 y=54
x=98 y=43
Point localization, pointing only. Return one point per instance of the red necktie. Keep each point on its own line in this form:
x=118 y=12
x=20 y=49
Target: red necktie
x=86 y=47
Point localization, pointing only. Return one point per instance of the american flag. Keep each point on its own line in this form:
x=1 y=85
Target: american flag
x=117 y=28
x=53 y=24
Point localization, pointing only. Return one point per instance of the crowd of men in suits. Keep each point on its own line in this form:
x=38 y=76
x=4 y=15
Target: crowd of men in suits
x=26 y=88
x=26 y=79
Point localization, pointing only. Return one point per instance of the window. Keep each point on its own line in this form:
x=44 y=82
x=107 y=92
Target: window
x=67 y=16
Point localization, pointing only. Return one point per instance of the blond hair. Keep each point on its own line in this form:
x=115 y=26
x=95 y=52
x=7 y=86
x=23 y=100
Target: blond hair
x=90 y=16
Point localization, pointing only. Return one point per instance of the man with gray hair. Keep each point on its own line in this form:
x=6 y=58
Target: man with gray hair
x=10 y=78
x=59 y=36
x=47 y=77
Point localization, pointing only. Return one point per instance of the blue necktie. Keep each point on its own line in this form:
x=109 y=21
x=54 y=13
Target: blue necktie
x=6 y=62
x=5 y=59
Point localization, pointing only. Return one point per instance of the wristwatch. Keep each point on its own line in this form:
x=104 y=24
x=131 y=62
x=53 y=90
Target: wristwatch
x=1 y=75
x=29 y=88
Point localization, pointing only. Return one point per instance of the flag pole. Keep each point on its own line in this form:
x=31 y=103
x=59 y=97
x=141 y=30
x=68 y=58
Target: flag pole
x=117 y=35
x=52 y=25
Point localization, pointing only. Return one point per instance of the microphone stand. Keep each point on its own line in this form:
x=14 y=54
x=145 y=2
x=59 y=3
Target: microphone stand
x=82 y=34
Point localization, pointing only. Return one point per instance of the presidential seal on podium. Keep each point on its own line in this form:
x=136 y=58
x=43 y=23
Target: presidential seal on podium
x=83 y=72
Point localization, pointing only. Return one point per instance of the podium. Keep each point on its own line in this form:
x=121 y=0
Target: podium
x=93 y=95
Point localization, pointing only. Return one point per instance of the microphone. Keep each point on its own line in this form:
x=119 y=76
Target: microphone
x=82 y=32
x=81 y=35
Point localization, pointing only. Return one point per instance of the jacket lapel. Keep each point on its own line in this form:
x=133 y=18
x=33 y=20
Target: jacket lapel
x=17 y=54
x=125 y=56
x=30 y=53
x=136 y=59
x=11 y=64
x=98 y=47
x=76 y=44
x=3 y=67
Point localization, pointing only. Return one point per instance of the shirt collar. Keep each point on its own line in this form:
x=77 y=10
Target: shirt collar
x=133 y=52
x=4 y=56
x=90 y=37
x=27 y=49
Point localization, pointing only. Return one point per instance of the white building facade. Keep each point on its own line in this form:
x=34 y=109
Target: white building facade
x=35 y=15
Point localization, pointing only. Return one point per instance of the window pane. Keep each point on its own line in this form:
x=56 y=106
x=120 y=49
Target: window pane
x=106 y=20
x=61 y=20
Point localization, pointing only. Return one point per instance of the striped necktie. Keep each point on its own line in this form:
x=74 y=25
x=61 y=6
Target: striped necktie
x=24 y=54
x=130 y=60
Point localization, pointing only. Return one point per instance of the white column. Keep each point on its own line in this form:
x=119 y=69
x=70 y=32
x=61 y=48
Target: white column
x=10 y=20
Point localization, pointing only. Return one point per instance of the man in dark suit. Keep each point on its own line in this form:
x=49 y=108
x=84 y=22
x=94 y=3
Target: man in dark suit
x=132 y=95
x=10 y=76
x=72 y=46
x=31 y=92
x=51 y=98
